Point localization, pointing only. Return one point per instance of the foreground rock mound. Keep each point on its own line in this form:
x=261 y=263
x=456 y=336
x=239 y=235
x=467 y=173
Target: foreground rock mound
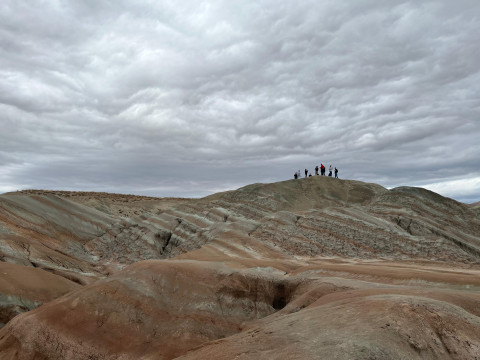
x=160 y=309
x=316 y=268
x=375 y=324
x=153 y=307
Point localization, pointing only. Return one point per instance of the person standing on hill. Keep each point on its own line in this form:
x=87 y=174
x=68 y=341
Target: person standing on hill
x=322 y=169
x=330 y=169
x=336 y=173
x=306 y=172
x=295 y=176
x=316 y=170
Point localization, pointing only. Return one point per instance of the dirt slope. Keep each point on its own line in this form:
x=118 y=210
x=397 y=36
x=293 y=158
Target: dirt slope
x=24 y=288
x=327 y=310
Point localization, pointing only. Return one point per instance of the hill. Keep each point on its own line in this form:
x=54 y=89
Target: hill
x=316 y=268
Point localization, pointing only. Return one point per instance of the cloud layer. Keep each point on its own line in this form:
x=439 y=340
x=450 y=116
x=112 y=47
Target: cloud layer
x=187 y=98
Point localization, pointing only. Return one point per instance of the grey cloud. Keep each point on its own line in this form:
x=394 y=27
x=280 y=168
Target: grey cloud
x=206 y=95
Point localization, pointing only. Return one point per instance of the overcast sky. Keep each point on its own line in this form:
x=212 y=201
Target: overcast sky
x=188 y=98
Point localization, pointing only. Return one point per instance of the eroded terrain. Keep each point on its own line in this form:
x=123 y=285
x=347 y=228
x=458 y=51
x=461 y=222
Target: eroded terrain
x=316 y=268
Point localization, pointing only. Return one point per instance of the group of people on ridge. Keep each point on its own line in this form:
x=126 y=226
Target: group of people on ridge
x=322 y=172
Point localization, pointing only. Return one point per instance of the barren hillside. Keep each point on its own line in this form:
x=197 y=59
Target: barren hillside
x=316 y=268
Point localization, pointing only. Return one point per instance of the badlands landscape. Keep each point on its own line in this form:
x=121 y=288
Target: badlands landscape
x=315 y=268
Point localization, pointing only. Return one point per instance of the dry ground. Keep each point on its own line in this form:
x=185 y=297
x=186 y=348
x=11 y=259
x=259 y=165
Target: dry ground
x=316 y=268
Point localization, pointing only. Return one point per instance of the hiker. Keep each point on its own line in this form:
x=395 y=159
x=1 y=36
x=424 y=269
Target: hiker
x=316 y=170
x=306 y=172
x=309 y=175
x=336 y=173
x=322 y=169
x=295 y=176
x=330 y=169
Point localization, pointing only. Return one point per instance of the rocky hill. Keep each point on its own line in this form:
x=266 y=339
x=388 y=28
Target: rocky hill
x=316 y=268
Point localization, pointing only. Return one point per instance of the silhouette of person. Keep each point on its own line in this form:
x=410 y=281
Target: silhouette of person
x=316 y=170
x=336 y=173
x=306 y=172
x=330 y=170
x=322 y=169
x=295 y=176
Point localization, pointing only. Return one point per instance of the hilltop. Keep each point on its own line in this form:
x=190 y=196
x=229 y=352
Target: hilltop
x=315 y=268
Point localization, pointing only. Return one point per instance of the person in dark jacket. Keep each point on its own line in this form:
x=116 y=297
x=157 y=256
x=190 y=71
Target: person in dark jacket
x=336 y=172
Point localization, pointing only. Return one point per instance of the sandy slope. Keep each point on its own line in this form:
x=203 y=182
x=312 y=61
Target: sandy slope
x=24 y=288
x=315 y=268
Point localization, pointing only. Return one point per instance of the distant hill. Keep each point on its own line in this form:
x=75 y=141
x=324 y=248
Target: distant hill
x=110 y=203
